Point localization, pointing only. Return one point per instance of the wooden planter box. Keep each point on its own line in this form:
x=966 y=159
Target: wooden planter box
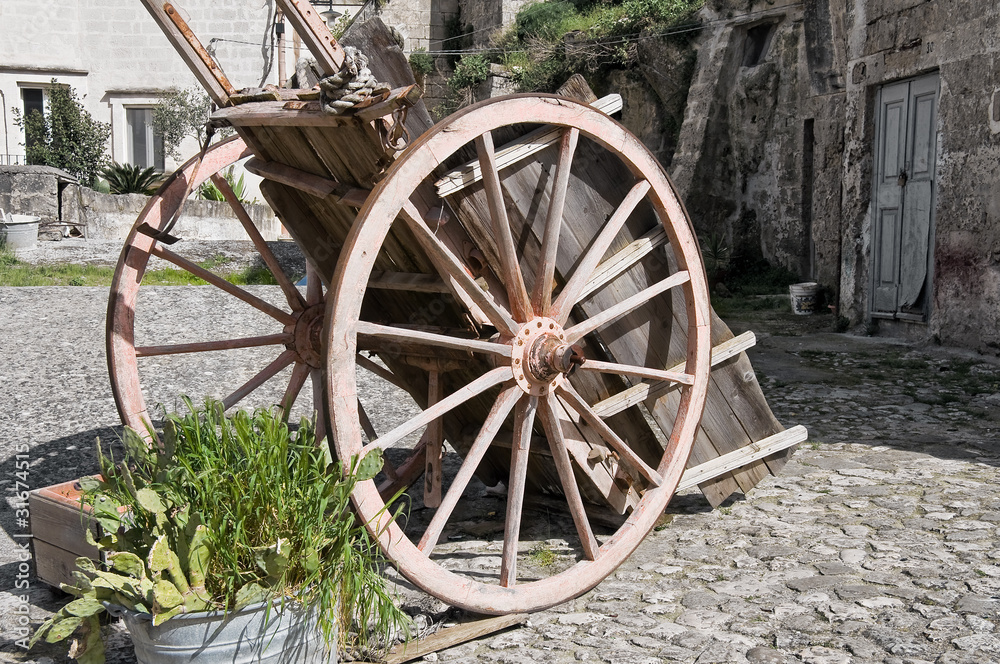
x=59 y=522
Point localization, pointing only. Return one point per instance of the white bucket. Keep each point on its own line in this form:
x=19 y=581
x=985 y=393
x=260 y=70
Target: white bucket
x=18 y=231
x=804 y=298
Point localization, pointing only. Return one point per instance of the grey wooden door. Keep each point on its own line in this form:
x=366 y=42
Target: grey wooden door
x=903 y=192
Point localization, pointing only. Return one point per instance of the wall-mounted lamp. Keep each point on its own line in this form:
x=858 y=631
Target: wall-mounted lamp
x=330 y=16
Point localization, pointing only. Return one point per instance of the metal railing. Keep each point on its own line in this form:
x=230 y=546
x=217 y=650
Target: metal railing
x=13 y=160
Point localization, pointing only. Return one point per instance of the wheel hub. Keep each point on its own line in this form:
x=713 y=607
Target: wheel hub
x=541 y=358
x=308 y=335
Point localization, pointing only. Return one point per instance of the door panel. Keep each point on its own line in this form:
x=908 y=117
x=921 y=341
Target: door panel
x=886 y=270
x=905 y=158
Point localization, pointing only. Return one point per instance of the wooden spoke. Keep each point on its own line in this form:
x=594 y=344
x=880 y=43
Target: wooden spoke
x=262 y=377
x=410 y=336
x=217 y=281
x=314 y=285
x=366 y=422
x=541 y=296
x=453 y=400
x=623 y=260
x=295 y=384
x=513 y=280
x=208 y=346
x=576 y=402
x=435 y=445
x=319 y=403
x=560 y=454
x=524 y=419
x=571 y=292
x=295 y=299
x=380 y=371
x=491 y=425
x=447 y=261
x=638 y=372
x=575 y=333
x=639 y=392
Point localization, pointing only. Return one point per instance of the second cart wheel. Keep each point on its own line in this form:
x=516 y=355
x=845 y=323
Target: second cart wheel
x=524 y=372
x=291 y=328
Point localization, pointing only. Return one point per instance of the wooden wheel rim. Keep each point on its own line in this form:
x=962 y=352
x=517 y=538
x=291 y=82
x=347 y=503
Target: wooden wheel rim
x=122 y=355
x=349 y=284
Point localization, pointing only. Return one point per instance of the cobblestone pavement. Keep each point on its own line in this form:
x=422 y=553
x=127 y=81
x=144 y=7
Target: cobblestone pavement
x=877 y=543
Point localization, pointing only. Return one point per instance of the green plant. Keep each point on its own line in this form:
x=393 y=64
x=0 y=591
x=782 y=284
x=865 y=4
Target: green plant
x=66 y=137
x=470 y=71
x=179 y=114
x=715 y=252
x=130 y=179
x=421 y=63
x=222 y=513
x=210 y=192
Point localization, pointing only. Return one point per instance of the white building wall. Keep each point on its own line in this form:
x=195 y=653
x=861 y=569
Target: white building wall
x=115 y=56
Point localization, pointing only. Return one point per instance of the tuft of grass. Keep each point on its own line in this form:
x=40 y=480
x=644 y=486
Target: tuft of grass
x=542 y=556
x=15 y=272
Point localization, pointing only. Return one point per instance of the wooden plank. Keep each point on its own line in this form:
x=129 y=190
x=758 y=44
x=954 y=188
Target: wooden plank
x=515 y=151
x=57 y=517
x=59 y=523
x=576 y=87
x=449 y=637
x=581 y=441
x=404 y=97
x=255 y=112
x=415 y=283
x=191 y=51
x=311 y=184
x=311 y=27
x=53 y=565
x=743 y=456
x=280 y=114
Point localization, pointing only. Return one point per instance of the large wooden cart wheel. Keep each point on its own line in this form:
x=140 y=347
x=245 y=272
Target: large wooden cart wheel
x=527 y=351
x=297 y=323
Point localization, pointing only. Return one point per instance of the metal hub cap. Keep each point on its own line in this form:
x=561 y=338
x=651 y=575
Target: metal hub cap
x=541 y=358
x=308 y=334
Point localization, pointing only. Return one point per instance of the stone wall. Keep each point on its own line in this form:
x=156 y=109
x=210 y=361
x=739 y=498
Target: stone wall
x=45 y=193
x=32 y=190
x=109 y=217
x=778 y=142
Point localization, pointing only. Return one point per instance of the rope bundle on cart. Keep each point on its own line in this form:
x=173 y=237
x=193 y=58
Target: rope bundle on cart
x=351 y=85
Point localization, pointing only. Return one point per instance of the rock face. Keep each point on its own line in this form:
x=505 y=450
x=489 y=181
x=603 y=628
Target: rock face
x=781 y=145
x=31 y=190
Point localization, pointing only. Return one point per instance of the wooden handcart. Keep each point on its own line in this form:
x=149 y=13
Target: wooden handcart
x=523 y=270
